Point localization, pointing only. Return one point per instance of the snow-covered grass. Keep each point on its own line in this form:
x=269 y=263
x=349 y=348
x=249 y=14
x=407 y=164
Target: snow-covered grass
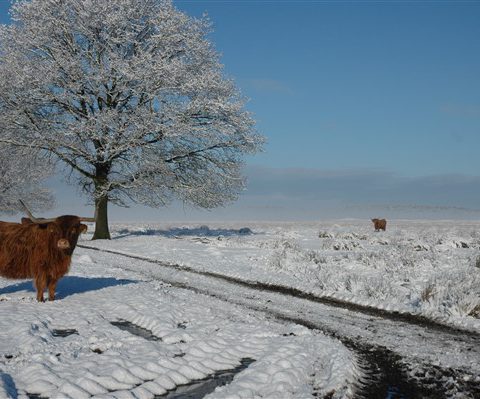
x=430 y=268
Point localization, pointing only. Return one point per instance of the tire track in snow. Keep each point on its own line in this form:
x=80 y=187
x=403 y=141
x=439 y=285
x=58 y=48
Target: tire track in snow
x=385 y=368
x=410 y=318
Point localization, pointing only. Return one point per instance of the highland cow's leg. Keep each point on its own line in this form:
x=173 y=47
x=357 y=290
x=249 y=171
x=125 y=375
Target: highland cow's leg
x=40 y=284
x=52 y=285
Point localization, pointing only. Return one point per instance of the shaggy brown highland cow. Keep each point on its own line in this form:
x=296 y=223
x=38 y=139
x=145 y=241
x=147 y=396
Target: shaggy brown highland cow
x=379 y=224
x=40 y=249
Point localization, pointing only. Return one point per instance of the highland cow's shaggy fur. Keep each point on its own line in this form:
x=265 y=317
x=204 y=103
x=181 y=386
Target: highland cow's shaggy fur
x=379 y=224
x=42 y=251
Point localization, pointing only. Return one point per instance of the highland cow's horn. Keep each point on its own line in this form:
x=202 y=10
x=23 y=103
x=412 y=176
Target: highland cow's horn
x=82 y=219
x=33 y=218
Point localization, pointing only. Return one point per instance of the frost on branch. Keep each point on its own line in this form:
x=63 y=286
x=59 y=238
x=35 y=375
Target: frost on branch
x=21 y=175
x=129 y=95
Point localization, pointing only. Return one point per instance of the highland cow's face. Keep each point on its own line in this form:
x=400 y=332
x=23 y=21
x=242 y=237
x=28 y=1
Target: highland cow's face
x=64 y=232
x=71 y=229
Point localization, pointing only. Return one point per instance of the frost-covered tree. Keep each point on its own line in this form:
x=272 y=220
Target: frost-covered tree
x=21 y=177
x=130 y=96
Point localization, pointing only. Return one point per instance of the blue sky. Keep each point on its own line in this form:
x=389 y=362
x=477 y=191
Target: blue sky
x=340 y=85
x=367 y=106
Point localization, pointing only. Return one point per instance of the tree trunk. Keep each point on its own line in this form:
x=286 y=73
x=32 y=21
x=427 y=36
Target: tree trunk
x=101 y=223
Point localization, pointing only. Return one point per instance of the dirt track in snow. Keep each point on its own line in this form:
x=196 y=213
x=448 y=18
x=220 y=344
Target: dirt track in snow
x=385 y=343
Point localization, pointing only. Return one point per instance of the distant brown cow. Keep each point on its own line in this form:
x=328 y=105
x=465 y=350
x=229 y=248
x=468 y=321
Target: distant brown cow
x=40 y=249
x=380 y=224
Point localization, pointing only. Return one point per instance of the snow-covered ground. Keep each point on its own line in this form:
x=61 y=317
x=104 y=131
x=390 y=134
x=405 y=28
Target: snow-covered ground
x=428 y=268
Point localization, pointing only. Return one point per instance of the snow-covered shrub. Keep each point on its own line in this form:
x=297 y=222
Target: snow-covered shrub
x=325 y=234
x=347 y=245
x=453 y=292
x=315 y=257
x=421 y=247
x=475 y=311
x=360 y=236
x=428 y=292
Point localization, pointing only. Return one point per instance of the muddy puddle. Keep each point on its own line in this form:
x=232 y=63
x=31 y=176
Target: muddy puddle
x=199 y=388
x=135 y=330
x=64 y=333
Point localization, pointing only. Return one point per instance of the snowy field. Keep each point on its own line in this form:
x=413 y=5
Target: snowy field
x=70 y=348
x=430 y=268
